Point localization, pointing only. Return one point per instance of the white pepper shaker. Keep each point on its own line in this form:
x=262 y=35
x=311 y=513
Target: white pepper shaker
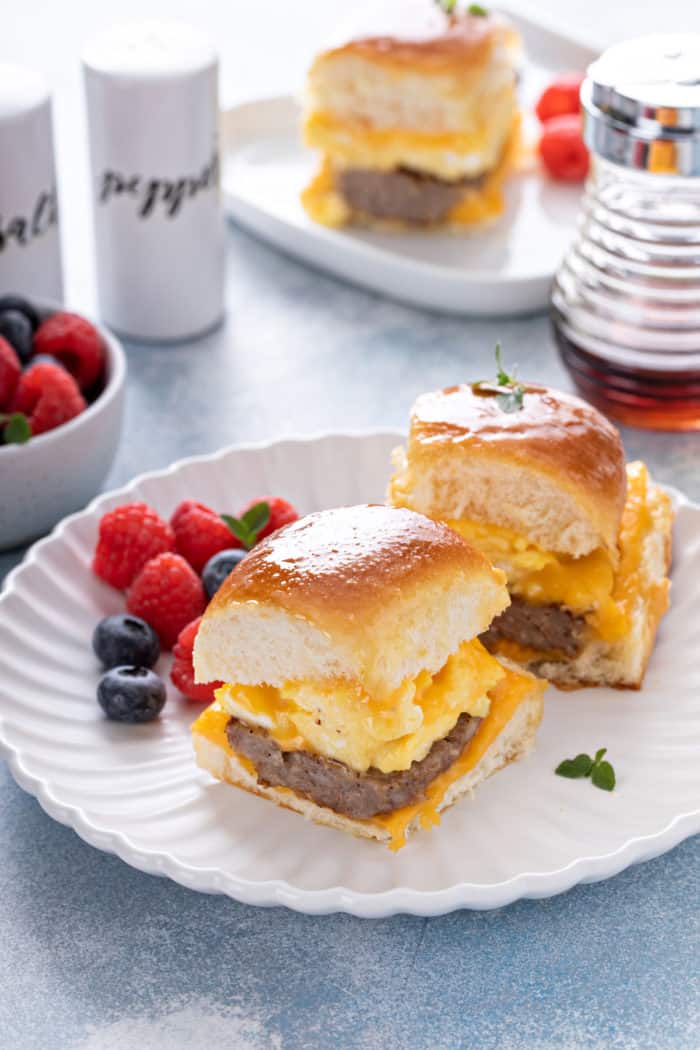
x=152 y=102
x=30 y=248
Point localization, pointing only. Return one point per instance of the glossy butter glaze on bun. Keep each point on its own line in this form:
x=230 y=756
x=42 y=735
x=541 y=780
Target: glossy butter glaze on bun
x=464 y=46
x=371 y=593
x=554 y=470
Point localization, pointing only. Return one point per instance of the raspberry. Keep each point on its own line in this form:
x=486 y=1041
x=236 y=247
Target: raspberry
x=48 y=396
x=182 y=672
x=10 y=369
x=562 y=96
x=168 y=595
x=281 y=513
x=129 y=536
x=562 y=149
x=200 y=533
x=75 y=343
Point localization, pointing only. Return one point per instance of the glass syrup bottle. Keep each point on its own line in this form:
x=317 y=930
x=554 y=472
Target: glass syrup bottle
x=626 y=301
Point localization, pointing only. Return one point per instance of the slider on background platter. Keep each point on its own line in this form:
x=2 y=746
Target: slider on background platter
x=418 y=126
x=537 y=480
x=357 y=691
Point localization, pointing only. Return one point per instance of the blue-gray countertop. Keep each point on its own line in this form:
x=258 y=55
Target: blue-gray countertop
x=95 y=955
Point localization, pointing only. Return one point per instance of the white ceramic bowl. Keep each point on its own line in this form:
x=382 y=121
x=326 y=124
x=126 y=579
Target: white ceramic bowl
x=58 y=472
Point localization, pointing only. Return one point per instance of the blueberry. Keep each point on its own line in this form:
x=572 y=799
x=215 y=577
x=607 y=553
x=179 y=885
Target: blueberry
x=17 y=329
x=218 y=567
x=23 y=306
x=124 y=639
x=131 y=694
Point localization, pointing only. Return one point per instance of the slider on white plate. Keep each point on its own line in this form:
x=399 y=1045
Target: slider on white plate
x=358 y=693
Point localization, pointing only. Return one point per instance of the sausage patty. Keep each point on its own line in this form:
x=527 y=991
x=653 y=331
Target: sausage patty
x=543 y=627
x=330 y=783
x=402 y=194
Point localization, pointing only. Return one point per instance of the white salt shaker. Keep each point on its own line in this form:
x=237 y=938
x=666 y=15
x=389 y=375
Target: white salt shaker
x=30 y=248
x=152 y=102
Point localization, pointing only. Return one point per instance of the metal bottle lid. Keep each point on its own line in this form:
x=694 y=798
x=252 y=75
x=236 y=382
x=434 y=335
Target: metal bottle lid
x=641 y=104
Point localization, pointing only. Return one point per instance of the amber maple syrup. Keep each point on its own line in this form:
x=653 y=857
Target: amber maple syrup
x=649 y=398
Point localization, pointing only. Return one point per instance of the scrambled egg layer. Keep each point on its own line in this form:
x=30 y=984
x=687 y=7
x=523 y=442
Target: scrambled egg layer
x=447 y=154
x=326 y=205
x=506 y=698
x=339 y=720
x=590 y=585
x=385 y=149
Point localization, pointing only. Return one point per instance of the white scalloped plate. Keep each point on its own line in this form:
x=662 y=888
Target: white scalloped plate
x=135 y=791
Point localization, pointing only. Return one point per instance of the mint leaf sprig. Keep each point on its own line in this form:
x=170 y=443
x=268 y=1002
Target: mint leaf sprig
x=15 y=428
x=249 y=525
x=601 y=772
x=449 y=7
x=509 y=393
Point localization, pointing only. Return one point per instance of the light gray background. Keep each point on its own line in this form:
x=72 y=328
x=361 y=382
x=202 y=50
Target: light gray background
x=94 y=955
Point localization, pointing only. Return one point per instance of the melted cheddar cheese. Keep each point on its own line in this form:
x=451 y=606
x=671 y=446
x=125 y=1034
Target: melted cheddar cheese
x=590 y=585
x=339 y=720
x=505 y=698
x=647 y=508
x=584 y=585
x=326 y=205
x=508 y=695
x=211 y=724
x=323 y=202
x=387 y=148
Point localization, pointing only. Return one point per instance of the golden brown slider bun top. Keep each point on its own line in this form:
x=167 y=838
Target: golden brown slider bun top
x=553 y=470
x=435 y=94
x=339 y=562
x=461 y=44
x=372 y=593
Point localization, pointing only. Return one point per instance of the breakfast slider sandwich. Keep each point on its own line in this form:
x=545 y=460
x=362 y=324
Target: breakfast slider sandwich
x=357 y=692
x=416 y=128
x=536 y=479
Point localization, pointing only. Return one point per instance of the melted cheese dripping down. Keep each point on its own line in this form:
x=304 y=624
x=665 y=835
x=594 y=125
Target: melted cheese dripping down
x=339 y=720
x=511 y=691
x=506 y=697
x=326 y=205
x=590 y=585
x=384 y=149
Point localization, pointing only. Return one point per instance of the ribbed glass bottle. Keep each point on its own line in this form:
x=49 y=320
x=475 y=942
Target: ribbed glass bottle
x=626 y=300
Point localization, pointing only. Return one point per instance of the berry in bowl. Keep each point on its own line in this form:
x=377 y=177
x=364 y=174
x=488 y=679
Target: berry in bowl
x=62 y=384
